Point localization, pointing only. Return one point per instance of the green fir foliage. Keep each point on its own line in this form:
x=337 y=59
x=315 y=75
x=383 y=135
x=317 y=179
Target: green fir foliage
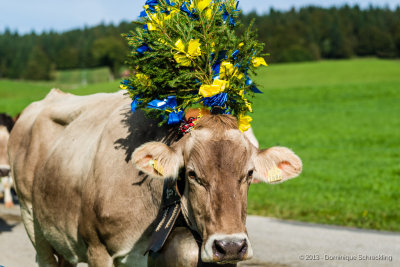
x=190 y=50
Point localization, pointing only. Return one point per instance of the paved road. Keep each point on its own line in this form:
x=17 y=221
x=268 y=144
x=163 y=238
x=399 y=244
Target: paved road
x=276 y=243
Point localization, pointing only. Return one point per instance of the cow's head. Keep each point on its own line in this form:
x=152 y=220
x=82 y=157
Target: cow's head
x=4 y=165
x=220 y=163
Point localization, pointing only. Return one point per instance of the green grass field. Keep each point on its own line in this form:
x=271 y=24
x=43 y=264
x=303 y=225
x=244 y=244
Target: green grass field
x=341 y=117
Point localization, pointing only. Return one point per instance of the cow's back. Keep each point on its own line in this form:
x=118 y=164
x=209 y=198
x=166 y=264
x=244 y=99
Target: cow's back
x=70 y=158
x=40 y=127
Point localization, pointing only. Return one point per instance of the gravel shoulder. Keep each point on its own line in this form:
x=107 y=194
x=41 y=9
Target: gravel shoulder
x=276 y=243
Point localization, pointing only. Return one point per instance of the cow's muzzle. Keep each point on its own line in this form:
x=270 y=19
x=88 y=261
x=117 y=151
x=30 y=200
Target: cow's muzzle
x=227 y=248
x=4 y=170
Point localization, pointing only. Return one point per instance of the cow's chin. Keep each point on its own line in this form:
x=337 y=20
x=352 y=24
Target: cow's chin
x=226 y=249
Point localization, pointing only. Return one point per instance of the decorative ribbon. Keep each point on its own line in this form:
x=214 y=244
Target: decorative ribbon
x=217 y=64
x=228 y=15
x=143 y=49
x=216 y=100
x=169 y=104
x=136 y=101
x=235 y=54
x=190 y=11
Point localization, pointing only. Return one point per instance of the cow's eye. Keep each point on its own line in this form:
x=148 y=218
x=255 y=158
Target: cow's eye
x=250 y=175
x=193 y=175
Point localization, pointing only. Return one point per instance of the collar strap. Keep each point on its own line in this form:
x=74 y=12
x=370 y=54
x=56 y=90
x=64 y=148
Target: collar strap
x=170 y=210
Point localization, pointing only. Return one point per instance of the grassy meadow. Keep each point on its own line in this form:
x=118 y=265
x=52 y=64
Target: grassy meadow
x=16 y=95
x=341 y=117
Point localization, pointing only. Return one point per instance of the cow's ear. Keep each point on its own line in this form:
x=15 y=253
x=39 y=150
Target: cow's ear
x=276 y=165
x=158 y=160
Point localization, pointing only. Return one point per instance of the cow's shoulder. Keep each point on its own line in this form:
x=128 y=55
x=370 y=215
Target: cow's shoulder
x=49 y=117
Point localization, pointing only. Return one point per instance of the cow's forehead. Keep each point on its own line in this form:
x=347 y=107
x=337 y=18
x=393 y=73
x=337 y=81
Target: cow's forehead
x=206 y=147
x=205 y=136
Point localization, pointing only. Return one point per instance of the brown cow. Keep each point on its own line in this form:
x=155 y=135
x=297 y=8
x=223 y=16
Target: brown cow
x=84 y=168
x=5 y=179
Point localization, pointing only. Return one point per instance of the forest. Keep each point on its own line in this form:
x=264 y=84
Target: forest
x=305 y=34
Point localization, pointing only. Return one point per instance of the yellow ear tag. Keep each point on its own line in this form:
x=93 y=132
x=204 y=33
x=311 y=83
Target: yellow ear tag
x=274 y=175
x=157 y=167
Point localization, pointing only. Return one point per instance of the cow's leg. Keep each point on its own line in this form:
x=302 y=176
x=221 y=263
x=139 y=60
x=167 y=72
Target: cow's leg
x=44 y=252
x=7 y=183
x=63 y=263
x=98 y=256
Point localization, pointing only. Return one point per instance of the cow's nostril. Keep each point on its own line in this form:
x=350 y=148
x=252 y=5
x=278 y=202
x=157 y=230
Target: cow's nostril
x=4 y=171
x=219 y=248
x=243 y=247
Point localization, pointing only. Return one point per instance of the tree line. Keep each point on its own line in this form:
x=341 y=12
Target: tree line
x=305 y=34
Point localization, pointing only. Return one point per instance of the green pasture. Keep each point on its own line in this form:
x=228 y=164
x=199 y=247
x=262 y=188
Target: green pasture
x=341 y=117
x=16 y=95
x=87 y=76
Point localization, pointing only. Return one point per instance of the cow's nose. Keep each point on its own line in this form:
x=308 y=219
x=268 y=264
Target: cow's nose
x=4 y=171
x=230 y=250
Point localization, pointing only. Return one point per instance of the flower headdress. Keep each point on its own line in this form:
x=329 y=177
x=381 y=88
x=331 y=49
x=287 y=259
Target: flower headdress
x=187 y=54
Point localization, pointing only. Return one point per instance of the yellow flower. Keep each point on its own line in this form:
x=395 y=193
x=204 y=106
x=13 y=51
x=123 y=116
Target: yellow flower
x=217 y=87
x=123 y=87
x=157 y=21
x=194 y=48
x=184 y=57
x=182 y=60
x=257 y=61
x=171 y=13
x=227 y=69
x=203 y=4
x=241 y=45
x=162 y=41
x=248 y=105
x=209 y=13
x=152 y=26
x=244 y=123
x=144 y=79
